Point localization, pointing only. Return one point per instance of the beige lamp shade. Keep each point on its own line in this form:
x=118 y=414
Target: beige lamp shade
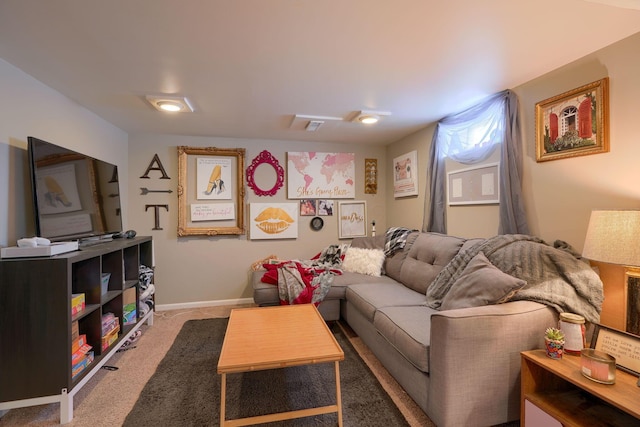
x=613 y=237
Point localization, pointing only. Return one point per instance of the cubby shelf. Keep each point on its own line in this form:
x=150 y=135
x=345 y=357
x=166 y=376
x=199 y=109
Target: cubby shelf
x=36 y=319
x=554 y=392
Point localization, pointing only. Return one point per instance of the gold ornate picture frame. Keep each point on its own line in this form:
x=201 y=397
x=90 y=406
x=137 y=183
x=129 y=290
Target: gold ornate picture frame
x=210 y=191
x=574 y=123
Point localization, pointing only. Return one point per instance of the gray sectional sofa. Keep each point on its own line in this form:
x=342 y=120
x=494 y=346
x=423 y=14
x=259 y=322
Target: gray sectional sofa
x=460 y=365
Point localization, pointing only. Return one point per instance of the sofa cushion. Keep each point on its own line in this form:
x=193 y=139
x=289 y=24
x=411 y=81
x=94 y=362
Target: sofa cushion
x=376 y=242
x=407 y=329
x=364 y=261
x=368 y=297
x=347 y=278
x=481 y=283
x=267 y=294
x=424 y=256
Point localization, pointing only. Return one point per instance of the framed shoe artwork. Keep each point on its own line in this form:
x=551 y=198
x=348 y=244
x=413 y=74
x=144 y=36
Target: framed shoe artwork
x=210 y=191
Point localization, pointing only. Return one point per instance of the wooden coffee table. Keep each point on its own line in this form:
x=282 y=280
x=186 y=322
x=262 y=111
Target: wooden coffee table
x=261 y=338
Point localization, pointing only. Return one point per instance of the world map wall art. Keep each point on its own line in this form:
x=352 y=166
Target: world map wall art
x=313 y=175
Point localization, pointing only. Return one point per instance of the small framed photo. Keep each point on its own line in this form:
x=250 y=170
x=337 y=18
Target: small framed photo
x=352 y=219
x=574 y=123
x=307 y=207
x=325 y=207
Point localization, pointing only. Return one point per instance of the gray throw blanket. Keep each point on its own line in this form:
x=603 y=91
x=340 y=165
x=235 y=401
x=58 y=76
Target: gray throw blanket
x=555 y=277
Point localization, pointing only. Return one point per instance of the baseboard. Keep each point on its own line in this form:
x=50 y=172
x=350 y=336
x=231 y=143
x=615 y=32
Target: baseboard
x=201 y=304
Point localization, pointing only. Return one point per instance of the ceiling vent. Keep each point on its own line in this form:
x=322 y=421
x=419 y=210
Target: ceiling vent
x=313 y=125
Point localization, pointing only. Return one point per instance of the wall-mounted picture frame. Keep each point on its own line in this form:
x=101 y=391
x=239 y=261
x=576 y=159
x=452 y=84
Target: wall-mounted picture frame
x=314 y=175
x=352 y=219
x=405 y=175
x=477 y=185
x=370 y=176
x=574 y=123
x=273 y=221
x=210 y=191
x=325 y=207
x=265 y=175
x=307 y=207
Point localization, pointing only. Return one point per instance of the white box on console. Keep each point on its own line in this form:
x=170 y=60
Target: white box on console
x=53 y=249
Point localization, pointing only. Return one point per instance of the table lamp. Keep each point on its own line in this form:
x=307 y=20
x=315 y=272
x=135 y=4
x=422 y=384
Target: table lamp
x=613 y=237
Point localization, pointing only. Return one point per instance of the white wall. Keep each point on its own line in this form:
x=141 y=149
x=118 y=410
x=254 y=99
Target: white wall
x=29 y=108
x=197 y=269
x=407 y=211
x=558 y=195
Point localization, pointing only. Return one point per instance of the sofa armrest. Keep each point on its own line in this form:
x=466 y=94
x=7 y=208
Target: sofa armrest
x=475 y=359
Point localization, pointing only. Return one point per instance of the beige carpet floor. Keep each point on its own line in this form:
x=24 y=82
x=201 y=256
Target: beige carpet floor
x=109 y=396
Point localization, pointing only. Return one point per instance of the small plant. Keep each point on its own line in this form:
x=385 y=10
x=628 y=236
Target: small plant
x=554 y=334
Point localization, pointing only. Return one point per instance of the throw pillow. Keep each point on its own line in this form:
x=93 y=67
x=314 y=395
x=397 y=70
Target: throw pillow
x=481 y=283
x=363 y=261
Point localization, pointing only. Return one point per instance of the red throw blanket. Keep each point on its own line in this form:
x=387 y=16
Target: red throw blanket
x=299 y=284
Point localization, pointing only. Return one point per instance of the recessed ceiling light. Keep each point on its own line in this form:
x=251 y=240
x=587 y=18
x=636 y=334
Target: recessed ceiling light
x=173 y=104
x=369 y=117
x=170 y=106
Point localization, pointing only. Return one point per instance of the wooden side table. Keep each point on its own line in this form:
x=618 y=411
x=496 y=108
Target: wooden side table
x=558 y=389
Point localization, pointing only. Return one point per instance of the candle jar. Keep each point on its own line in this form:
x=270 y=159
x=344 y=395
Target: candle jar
x=598 y=366
x=574 y=332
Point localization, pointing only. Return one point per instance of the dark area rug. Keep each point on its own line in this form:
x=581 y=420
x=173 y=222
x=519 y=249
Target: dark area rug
x=185 y=389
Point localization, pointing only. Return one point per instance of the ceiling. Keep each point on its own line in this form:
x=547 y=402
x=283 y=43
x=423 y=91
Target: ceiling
x=249 y=66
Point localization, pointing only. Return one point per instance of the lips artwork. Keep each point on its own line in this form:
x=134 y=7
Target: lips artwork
x=273 y=220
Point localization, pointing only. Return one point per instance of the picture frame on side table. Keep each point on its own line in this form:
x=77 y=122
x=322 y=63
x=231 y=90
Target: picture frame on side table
x=352 y=219
x=210 y=191
x=625 y=347
x=574 y=123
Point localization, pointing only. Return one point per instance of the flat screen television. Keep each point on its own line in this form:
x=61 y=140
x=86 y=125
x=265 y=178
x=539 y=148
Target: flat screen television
x=75 y=196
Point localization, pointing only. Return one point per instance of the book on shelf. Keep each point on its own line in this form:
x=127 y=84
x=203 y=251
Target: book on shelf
x=110 y=326
x=79 y=342
x=79 y=354
x=110 y=338
x=77 y=303
x=75 y=331
x=107 y=319
x=82 y=364
x=129 y=312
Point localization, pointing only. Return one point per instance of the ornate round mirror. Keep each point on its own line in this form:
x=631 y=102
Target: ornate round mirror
x=265 y=168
